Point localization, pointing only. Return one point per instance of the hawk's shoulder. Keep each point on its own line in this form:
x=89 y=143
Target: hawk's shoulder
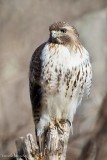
x=35 y=64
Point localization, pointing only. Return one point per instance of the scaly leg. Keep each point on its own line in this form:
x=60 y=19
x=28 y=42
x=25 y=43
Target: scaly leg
x=51 y=125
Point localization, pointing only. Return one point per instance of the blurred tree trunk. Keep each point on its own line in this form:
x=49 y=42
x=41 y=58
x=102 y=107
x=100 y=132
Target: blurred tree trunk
x=96 y=148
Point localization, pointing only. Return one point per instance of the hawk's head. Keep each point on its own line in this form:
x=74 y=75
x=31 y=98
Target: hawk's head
x=63 y=33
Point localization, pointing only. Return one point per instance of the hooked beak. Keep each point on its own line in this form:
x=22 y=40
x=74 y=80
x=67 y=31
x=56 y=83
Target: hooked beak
x=53 y=35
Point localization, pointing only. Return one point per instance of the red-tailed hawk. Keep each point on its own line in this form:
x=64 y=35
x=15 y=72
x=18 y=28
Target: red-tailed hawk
x=60 y=74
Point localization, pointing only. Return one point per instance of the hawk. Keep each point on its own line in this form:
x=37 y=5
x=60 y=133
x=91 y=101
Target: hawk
x=60 y=74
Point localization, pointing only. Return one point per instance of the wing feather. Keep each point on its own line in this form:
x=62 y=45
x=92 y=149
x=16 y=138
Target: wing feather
x=34 y=82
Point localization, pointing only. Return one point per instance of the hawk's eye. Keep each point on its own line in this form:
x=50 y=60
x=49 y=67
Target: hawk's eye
x=63 y=30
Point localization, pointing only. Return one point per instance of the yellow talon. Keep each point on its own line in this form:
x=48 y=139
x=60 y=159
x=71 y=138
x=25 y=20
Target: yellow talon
x=59 y=124
x=51 y=125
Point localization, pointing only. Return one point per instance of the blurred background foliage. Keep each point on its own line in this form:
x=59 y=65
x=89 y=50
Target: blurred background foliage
x=23 y=26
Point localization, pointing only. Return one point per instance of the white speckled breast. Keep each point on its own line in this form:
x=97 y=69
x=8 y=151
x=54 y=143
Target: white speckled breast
x=63 y=78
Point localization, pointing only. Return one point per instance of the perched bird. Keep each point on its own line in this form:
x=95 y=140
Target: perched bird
x=60 y=74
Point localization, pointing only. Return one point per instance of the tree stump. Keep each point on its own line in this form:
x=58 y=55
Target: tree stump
x=55 y=145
